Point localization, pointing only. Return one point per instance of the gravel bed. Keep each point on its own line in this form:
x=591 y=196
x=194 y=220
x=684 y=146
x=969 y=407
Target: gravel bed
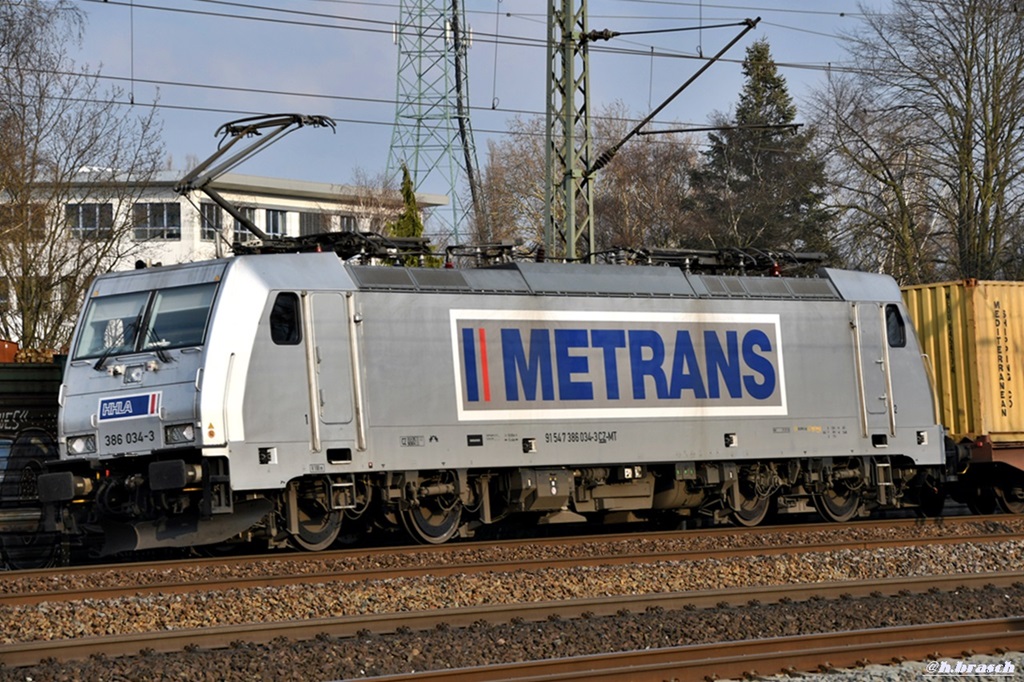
x=367 y=655
x=282 y=565
x=158 y=611
x=915 y=671
x=329 y=658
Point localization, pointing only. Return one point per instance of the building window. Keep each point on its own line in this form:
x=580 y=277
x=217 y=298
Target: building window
x=242 y=233
x=211 y=221
x=90 y=221
x=23 y=221
x=313 y=223
x=157 y=221
x=347 y=223
x=275 y=223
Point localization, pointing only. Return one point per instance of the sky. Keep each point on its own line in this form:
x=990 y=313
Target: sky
x=207 y=62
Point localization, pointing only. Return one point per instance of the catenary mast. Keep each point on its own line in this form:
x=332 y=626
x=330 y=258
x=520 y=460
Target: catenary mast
x=569 y=194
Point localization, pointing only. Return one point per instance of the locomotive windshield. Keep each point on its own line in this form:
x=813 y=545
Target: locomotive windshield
x=145 y=321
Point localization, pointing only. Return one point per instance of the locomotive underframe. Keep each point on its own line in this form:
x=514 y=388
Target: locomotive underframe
x=140 y=503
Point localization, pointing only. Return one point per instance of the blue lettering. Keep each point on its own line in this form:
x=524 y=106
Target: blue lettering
x=469 y=360
x=609 y=340
x=722 y=364
x=518 y=367
x=756 y=338
x=557 y=361
x=639 y=341
x=685 y=369
x=565 y=340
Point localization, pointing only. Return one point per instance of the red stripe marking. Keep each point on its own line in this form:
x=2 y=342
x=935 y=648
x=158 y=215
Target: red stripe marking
x=485 y=377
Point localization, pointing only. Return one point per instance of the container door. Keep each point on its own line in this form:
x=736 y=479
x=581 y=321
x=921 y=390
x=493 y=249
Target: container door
x=874 y=376
x=332 y=358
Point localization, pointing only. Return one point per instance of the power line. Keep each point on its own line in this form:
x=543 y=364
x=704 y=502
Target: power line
x=311 y=19
x=386 y=26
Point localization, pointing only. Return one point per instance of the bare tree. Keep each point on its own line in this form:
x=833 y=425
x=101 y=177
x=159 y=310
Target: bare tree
x=927 y=139
x=638 y=197
x=639 y=202
x=72 y=161
x=513 y=185
x=375 y=198
x=879 y=180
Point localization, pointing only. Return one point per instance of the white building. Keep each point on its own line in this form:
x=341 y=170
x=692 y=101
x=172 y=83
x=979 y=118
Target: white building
x=98 y=222
x=171 y=228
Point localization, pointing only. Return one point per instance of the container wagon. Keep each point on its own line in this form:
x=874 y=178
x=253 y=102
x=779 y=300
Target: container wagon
x=973 y=333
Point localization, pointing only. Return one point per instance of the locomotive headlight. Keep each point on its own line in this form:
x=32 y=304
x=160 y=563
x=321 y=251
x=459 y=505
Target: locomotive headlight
x=133 y=374
x=81 y=445
x=176 y=434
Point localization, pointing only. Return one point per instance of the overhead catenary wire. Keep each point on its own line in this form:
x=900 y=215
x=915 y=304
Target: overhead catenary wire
x=329 y=21
x=385 y=27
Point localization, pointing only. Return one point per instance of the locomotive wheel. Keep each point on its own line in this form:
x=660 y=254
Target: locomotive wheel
x=752 y=511
x=31 y=550
x=318 y=524
x=430 y=523
x=1010 y=498
x=318 y=531
x=751 y=508
x=838 y=504
x=753 y=496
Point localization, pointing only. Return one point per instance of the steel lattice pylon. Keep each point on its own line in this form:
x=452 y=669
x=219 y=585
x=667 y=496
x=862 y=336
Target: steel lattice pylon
x=432 y=136
x=568 y=188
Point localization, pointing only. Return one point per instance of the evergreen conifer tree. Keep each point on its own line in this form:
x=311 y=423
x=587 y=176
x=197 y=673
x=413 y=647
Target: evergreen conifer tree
x=760 y=185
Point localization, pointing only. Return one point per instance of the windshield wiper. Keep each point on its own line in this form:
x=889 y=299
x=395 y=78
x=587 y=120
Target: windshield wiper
x=103 y=358
x=156 y=346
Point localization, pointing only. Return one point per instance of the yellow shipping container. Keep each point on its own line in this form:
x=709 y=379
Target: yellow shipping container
x=973 y=334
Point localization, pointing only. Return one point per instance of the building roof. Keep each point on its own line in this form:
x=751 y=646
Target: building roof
x=267 y=186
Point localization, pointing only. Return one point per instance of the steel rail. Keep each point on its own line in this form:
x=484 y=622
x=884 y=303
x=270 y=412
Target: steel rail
x=30 y=653
x=993 y=521
x=463 y=567
x=754 y=658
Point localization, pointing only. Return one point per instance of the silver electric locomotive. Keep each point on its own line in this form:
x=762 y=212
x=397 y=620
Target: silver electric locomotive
x=291 y=396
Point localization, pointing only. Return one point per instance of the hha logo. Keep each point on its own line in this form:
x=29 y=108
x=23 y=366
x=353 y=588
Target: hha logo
x=129 y=407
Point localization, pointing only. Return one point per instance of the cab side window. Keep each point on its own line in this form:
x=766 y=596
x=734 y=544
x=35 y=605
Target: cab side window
x=285 y=329
x=895 y=327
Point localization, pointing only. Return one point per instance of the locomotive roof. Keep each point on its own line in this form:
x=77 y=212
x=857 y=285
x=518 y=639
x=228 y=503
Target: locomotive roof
x=591 y=280
x=516 y=278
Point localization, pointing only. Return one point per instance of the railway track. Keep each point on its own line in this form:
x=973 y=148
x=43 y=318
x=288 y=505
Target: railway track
x=26 y=520
x=152 y=582
x=35 y=586
x=752 y=659
x=29 y=653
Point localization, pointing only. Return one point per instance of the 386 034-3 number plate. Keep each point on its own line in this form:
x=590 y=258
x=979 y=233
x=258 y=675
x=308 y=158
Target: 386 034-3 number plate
x=139 y=437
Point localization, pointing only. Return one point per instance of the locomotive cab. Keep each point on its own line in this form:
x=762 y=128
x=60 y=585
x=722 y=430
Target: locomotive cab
x=192 y=397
